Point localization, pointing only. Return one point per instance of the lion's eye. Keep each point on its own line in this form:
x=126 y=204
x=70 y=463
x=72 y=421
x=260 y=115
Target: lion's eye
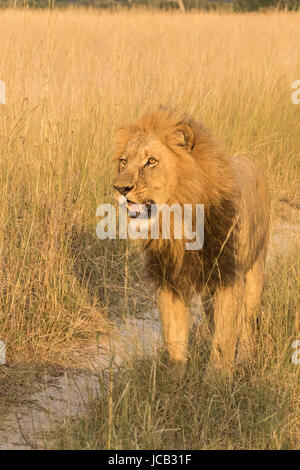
x=123 y=162
x=151 y=161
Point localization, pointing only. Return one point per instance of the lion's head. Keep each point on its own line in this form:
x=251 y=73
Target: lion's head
x=153 y=158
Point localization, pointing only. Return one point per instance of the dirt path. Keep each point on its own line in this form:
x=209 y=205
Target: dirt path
x=65 y=396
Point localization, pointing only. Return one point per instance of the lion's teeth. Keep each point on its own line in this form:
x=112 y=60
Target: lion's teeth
x=137 y=208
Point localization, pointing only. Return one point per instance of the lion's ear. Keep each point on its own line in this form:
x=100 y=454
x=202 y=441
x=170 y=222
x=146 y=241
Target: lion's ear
x=183 y=136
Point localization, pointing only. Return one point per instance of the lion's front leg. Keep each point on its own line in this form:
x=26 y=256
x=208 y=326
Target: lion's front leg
x=176 y=320
x=228 y=314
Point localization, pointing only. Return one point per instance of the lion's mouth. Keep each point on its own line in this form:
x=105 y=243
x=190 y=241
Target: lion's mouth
x=140 y=210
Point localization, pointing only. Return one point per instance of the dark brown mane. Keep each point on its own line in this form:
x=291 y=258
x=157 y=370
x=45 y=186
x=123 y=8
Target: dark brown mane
x=200 y=270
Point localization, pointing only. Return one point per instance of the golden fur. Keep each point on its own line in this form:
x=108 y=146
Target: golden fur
x=191 y=168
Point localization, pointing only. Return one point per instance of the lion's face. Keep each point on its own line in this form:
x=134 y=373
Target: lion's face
x=152 y=165
x=146 y=173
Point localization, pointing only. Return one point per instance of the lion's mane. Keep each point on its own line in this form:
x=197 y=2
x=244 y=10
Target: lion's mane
x=206 y=177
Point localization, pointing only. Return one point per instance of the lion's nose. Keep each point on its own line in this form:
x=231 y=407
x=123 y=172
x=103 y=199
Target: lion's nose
x=123 y=189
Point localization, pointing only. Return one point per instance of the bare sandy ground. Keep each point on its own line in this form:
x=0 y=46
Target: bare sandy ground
x=62 y=397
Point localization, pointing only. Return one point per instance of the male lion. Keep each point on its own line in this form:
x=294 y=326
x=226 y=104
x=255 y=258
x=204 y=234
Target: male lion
x=167 y=158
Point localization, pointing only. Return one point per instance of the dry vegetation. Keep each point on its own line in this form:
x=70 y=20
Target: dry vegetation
x=72 y=77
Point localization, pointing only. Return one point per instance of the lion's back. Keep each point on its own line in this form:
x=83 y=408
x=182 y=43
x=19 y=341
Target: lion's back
x=254 y=209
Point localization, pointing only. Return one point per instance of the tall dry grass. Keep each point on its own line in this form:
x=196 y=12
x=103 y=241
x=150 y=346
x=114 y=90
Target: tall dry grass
x=72 y=77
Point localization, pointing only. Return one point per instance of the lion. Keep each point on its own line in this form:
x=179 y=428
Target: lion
x=167 y=157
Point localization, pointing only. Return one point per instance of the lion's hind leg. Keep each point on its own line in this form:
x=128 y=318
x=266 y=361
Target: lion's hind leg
x=228 y=305
x=254 y=282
